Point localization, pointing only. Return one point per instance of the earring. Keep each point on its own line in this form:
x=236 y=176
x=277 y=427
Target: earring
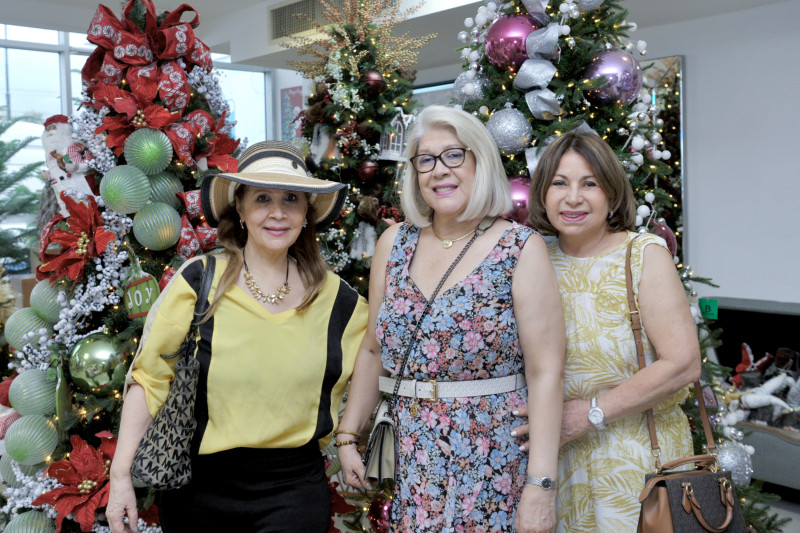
x=241 y=223
x=610 y=214
x=305 y=223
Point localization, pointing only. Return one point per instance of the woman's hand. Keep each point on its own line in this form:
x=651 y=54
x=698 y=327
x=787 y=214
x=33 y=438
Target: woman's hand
x=536 y=511
x=575 y=421
x=353 y=468
x=122 y=505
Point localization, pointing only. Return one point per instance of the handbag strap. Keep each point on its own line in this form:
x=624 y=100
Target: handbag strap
x=202 y=303
x=484 y=225
x=636 y=326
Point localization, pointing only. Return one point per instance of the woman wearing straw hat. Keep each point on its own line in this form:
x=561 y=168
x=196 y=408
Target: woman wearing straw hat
x=277 y=347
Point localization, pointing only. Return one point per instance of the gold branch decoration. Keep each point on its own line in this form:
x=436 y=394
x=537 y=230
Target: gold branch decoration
x=356 y=22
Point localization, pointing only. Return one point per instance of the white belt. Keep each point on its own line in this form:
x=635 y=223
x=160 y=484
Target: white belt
x=430 y=389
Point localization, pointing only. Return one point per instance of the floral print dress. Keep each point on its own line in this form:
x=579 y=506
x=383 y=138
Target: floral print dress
x=458 y=467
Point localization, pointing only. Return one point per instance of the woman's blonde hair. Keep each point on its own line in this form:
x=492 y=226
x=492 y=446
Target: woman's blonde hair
x=490 y=194
x=305 y=250
x=605 y=166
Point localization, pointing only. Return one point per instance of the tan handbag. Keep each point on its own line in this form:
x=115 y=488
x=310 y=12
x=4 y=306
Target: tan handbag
x=694 y=501
x=381 y=451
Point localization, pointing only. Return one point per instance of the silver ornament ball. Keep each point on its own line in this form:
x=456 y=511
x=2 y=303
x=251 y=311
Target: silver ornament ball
x=733 y=457
x=511 y=130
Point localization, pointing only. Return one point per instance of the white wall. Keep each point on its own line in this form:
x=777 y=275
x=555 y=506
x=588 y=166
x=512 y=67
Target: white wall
x=742 y=191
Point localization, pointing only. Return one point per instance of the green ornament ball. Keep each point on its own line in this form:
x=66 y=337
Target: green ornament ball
x=163 y=188
x=31 y=522
x=148 y=149
x=33 y=393
x=99 y=363
x=31 y=439
x=44 y=300
x=125 y=189
x=157 y=226
x=23 y=322
x=7 y=472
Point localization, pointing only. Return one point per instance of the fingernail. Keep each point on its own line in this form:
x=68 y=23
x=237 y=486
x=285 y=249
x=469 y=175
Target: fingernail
x=513 y=433
x=522 y=448
x=514 y=412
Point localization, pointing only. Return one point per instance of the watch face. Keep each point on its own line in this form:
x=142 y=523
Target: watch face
x=547 y=483
x=596 y=416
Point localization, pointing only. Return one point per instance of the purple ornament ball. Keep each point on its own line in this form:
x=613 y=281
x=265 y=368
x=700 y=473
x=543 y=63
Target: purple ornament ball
x=623 y=78
x=505 y=40
x=380 y=512
x=520 y=192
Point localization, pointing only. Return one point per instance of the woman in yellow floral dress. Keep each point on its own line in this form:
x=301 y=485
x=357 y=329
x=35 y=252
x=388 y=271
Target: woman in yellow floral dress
x=581 y=194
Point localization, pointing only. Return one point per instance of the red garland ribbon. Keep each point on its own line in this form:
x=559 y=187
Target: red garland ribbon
x=188 y=245
x=122 y=45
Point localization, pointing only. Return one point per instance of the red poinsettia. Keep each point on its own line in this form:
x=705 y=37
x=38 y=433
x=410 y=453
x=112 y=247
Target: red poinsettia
x=135 y=110
x=84 y=239
x=84 y=477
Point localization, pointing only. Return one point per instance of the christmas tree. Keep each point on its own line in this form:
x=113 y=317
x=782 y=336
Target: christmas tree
x=532 y=70
x=356 y=120
x=125 y=172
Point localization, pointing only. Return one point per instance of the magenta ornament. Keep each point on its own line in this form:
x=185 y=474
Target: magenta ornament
x=505 y=40
x=380 y=512
x=661 y=229
x=520 y=192
x=623 y=78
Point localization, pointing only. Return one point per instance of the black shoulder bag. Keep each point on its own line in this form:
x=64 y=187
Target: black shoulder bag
x=163 y=459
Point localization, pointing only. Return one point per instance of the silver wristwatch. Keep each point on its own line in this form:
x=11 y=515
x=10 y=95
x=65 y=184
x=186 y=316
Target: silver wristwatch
x=545 y=482
x=596 y=415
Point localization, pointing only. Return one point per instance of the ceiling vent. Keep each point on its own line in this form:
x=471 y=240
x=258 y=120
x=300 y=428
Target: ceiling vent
x=284 y=21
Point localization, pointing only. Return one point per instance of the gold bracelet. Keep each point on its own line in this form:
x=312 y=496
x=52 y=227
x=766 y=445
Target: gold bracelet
x=345 y=432
x=345 y=443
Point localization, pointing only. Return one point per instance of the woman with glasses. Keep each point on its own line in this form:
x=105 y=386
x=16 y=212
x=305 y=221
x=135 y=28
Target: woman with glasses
x=463 y=360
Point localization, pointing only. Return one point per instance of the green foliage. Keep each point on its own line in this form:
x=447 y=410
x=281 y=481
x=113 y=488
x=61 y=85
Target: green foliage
x=16 y=199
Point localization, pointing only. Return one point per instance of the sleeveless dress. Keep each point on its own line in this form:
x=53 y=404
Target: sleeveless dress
x=601 y=474
x=458 y=467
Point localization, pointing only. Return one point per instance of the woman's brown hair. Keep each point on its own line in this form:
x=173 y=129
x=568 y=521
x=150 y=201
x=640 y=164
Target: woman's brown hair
x=605 y=166
x=305 y=251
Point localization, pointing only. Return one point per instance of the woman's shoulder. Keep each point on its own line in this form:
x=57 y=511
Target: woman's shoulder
x=642 y=240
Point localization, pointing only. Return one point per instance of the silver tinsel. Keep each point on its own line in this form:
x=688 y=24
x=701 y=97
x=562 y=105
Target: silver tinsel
x=733 y=457
x=588 y=5
x=511 y=130
x=461 y=87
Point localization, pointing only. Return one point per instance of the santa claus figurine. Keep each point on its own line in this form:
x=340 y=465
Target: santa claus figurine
x=66 y=160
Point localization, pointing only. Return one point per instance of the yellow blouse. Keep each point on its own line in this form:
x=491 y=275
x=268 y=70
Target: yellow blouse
x=274 y=380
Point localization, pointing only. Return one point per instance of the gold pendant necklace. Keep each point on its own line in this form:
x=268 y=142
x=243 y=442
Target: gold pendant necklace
x=448 y=243
x=256 y=291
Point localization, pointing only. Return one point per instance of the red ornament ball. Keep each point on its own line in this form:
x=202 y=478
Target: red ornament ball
x=505 y=40
x=380 y=512
x=661 y=229
x=520 y=192
x=374 y=82
x=367 y=170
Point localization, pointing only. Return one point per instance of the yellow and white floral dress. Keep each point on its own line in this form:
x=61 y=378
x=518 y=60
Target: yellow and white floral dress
x=601 y=473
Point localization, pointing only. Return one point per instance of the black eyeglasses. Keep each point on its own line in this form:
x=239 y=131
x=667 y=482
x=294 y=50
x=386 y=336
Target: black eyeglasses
x=451 y=158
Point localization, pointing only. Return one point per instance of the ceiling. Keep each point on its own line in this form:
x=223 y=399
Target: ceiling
x=441 y=17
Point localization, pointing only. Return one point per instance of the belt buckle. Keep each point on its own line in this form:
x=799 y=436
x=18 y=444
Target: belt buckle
x=434 y=389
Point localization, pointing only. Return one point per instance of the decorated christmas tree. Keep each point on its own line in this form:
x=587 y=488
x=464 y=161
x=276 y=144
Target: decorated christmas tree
x=125 y=172
x=533 y=70
x=356 y=120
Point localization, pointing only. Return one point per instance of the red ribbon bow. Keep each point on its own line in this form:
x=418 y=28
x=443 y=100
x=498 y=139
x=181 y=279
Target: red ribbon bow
x=125 y=51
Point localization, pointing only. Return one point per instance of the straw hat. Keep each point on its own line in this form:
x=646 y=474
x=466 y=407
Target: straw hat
x=272 y=165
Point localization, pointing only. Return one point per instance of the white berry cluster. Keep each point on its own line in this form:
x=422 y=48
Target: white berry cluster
x=20 y=499
x=86 y=122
